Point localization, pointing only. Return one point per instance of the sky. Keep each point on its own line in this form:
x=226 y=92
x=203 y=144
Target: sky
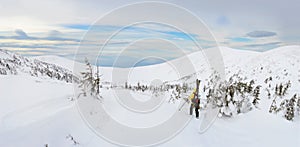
x=33 y=28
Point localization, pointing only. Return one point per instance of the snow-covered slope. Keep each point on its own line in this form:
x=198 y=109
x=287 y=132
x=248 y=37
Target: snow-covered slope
x=36 y=111
x=14 y=64
x=60 y=61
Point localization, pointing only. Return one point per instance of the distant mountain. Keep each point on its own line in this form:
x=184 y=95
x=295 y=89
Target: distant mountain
x=279 y=62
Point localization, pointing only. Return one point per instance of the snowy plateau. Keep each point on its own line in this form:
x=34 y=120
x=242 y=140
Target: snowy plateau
x=38 y=105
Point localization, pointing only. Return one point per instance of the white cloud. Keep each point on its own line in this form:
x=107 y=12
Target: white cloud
x=226 y=19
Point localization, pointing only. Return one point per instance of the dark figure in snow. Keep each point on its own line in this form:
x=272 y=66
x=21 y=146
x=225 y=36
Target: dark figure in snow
x=197 y=106
x=194 y=96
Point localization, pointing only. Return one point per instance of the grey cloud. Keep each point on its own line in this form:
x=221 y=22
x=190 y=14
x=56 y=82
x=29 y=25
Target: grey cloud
x=21 y=34
x=59 y=39
x=4 y=45
x=260 y=34
x=262 y=47
x=52 y=36
x=55 y=33
x=264 y=44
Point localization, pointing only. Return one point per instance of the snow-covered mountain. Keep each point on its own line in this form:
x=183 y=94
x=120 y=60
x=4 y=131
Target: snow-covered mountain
x=42 y=112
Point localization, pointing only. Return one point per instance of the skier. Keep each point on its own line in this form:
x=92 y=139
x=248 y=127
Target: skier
x=196 y=100
x=193 y=96
x=197 y=106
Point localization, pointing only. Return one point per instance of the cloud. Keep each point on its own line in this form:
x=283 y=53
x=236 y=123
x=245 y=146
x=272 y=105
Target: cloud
x=240 y=39
x=77 y=26
x=180 y=35
x=264 y=44
x=229 y=21
x=260 y=34
x=148 y=29
x=21 y=34
x=55 y=33
x=52 y=36
x=261 y=47
x=8 y=45
x=149 y=61
x=223 y=20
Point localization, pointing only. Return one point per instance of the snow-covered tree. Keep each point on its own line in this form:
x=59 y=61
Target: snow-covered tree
x=298 y=105
x=290 y=108
x=276 y=90
x=256 y=93
x=273 y=107
x=90 y=82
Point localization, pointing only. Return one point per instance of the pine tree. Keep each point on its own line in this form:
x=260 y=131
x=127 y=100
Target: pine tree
x=273 y=107
x=87 y=78
x=126 y=85
x=178 y=91
x=298 y=105
x=269 y=94
x=231 y=91
x=289 y=84
x=97 y=82
x=256 y=96
x=280 y=89
x=276 y=90
x=90 y=83
x=284 y=91
x=250 y=87
x=290 y=108
x=138 y=86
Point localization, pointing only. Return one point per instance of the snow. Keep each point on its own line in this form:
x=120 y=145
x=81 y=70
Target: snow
x=36 y=111
x=60 y=61
x=4 y=55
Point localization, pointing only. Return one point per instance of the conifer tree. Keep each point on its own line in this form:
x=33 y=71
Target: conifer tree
x=273 y=107
x=280 y=89
x=256 y=96
x=290 y=108
x=90 y=83
x=298 y=105
x=276 y=90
